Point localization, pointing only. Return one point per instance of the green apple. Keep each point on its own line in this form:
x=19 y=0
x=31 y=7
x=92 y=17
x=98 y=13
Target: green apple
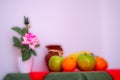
x=55 y=63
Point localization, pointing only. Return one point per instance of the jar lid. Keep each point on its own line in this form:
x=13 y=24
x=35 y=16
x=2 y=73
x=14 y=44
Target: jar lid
x=54 y=46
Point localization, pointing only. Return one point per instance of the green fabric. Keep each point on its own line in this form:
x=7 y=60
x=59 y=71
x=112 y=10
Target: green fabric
x=97 y=75
x=17 y=76
x=65 y=76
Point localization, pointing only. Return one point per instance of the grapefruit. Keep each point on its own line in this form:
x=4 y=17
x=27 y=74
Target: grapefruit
x=86 y=62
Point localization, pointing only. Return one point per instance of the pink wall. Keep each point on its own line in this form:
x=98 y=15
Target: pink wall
x=77 y=25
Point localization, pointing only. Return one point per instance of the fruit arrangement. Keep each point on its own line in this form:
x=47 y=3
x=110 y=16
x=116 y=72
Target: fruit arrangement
x=83 y=61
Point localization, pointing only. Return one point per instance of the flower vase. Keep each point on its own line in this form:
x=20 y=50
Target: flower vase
x=25 y=66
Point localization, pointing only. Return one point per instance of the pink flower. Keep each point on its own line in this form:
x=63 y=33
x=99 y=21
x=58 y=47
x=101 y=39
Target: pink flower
x=31 y=40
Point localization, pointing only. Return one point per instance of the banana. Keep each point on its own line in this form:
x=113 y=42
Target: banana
x=76 y=54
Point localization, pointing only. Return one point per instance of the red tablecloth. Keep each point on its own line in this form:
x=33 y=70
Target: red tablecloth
x=37 y=75
x=115 y=73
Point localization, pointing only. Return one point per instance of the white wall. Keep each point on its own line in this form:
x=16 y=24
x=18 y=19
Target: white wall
x=110 y=11
x=77 y=25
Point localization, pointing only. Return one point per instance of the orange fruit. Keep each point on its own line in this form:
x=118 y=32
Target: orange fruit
x=69 y=64
x=101 y=64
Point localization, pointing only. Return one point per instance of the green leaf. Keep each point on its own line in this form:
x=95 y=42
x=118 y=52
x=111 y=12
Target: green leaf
x=17 y=45
x=33 y=52
x=26 y=54
x=18 y=30
x=17 y=42
x=25 y=30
